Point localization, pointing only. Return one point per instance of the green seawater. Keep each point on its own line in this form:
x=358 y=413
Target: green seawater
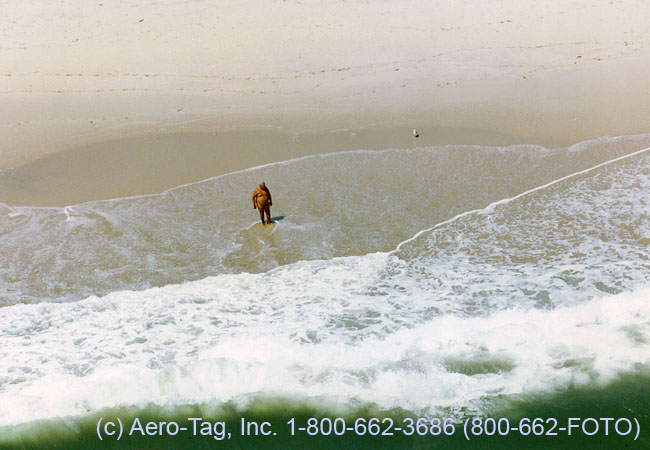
x=628 y=397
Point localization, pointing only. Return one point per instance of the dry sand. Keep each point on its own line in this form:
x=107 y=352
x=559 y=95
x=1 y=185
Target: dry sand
x=105 y=100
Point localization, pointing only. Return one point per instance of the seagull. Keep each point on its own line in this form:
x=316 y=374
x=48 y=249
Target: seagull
x=415 y=133
x=67 y=210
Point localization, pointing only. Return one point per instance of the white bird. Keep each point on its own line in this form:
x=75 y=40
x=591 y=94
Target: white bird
x=67 y=210
x=415 y=133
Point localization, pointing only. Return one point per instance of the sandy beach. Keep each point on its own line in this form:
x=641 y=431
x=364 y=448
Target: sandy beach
x=107 y=100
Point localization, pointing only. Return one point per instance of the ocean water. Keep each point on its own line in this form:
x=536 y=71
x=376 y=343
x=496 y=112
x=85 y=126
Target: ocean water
x=451 y=282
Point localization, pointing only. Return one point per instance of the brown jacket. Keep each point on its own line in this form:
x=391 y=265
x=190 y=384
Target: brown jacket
x=262 y=196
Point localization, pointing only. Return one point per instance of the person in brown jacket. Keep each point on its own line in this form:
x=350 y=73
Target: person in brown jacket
x=263 y=202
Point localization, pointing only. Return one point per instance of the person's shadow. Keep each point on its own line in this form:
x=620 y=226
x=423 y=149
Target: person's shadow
x=276 y=218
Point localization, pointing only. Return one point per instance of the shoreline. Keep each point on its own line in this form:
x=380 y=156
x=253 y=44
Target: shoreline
x=156 y=163
x=152 y=163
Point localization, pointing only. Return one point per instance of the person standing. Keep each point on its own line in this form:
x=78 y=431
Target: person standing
x=263 y=202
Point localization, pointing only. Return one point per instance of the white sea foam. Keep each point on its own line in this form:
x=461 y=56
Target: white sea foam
x=448 y=363
x=576 y=239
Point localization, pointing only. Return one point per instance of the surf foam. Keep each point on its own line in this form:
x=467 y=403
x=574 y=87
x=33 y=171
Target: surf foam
x=447 y=364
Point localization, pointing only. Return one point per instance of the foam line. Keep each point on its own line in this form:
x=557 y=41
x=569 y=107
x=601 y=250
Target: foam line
x=508 y=200
x=252 y=169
